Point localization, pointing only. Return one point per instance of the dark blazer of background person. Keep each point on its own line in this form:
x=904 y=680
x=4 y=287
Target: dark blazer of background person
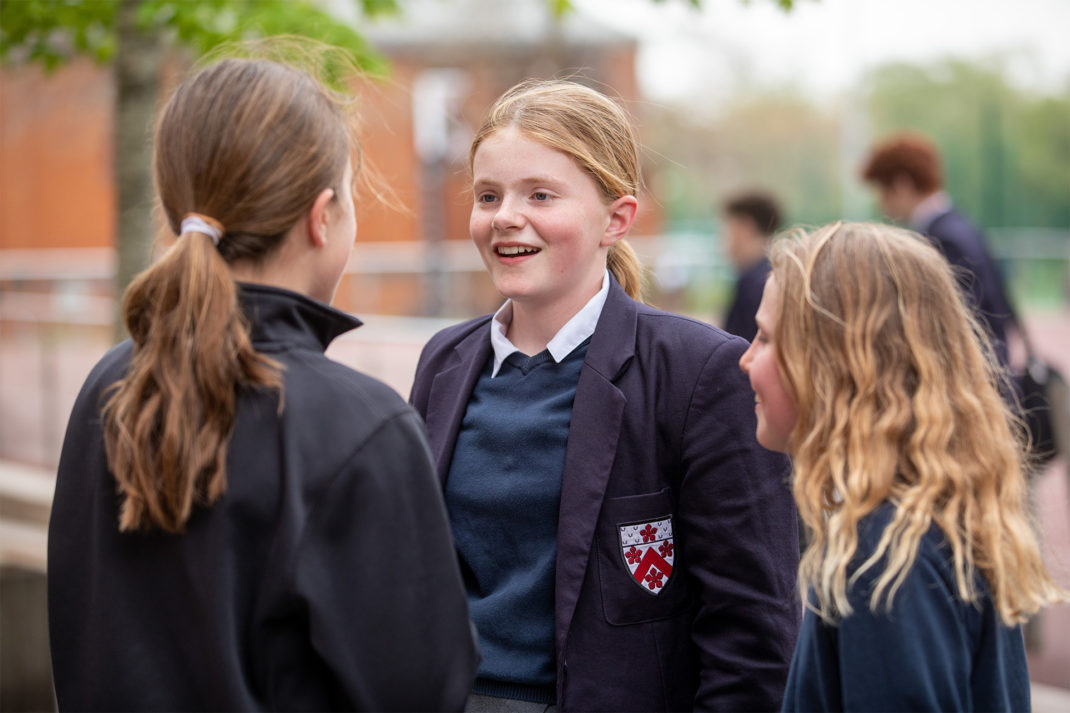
x=324 y=579
x=907 y=171
x=749 y=287
x=963 y=245
x=750 y=219
x=662 y=425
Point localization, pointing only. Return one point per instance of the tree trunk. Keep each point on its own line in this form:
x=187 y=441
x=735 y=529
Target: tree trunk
x=137 y=71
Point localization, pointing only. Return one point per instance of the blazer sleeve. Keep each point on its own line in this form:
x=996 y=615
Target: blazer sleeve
x=741 y=543
x=386 y=607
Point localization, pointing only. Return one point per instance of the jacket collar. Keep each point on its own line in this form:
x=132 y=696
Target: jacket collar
x=572 y=334
x=594 y=432
x=613 y=342
x=280 y=317
x=929 y=210
x=612 y=348
x=450 y=391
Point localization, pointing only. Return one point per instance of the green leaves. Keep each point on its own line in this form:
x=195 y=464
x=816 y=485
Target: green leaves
x=54 y=31
x=206 y=25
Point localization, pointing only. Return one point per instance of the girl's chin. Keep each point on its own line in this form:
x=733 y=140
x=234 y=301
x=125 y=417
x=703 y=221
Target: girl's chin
x=512 y=288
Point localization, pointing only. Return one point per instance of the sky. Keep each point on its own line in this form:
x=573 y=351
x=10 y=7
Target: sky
x=824 y=45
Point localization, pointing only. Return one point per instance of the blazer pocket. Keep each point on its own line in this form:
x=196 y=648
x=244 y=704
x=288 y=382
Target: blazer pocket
x=640 y=572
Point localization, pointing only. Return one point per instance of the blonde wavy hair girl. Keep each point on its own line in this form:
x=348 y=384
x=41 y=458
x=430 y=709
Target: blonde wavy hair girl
x=898 y=400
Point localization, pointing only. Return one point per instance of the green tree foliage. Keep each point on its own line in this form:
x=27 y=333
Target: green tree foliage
x=53 y=31
x=1006 y=150
x=1006 y=153
x=773 y=138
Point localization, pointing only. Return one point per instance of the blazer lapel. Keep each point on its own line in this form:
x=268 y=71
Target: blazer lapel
x=449 y=395
x=592 y=447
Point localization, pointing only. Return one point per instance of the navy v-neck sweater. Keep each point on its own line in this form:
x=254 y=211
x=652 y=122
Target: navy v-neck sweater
x=503 y=492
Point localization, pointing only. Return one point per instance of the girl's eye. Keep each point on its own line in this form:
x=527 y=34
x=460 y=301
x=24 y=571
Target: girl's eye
x=486 y=198
x=540 y=196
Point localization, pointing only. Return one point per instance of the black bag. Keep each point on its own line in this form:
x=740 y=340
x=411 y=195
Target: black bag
x=1044 y=398
x=1038 y=387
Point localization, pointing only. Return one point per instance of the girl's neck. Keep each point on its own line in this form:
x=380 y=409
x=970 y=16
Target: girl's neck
x=534 y=325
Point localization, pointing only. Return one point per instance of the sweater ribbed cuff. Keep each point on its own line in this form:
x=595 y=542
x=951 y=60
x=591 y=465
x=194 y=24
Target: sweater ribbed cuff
x=516 y=691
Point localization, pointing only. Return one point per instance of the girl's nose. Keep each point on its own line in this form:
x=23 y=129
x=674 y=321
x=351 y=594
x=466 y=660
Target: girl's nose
x=744 y=361
x=507 y=217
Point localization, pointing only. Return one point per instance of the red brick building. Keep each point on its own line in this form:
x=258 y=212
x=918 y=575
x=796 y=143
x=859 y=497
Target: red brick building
x=449 y=61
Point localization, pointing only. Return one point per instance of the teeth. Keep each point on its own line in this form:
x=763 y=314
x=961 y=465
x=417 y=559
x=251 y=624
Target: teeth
x=510 y=250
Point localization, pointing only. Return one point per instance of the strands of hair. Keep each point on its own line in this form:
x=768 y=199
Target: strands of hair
x=898 y=400
x=905 y=154
x=249 y=142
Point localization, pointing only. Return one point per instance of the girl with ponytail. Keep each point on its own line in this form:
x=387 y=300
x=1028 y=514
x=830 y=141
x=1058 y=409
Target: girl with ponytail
x=225 y=492
x=625 y=542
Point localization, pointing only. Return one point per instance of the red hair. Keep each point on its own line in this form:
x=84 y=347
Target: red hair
x=905 y=154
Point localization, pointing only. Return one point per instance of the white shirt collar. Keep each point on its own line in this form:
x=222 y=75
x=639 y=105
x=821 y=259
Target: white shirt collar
x=926 y=212
x=570 y=336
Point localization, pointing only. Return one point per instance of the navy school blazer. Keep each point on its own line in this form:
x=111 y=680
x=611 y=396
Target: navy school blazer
x=964 y=246
x=663 y=429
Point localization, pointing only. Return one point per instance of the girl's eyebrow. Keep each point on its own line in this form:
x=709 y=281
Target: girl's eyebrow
x=541 y=179
x=478 y=180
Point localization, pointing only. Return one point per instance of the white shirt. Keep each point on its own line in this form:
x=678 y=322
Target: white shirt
x=570 y=336
x=926 y=212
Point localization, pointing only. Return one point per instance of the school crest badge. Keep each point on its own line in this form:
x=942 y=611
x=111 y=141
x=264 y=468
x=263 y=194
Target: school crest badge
x=647 y=549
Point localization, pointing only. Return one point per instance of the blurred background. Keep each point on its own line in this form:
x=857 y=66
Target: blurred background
x=727 y=95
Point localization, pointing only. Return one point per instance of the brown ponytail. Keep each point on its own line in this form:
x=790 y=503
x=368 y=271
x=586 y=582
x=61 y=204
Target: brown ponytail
x=249 y=143
x=169 y=420
x=625 y=266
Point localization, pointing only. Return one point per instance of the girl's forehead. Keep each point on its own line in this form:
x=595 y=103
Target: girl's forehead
x=511 y=133
x=516 y=150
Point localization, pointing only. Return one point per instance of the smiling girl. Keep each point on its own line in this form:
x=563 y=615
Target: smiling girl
x=871 y=372
x=625 y=542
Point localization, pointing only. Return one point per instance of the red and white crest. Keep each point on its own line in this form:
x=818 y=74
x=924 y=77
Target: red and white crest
x=647 y=549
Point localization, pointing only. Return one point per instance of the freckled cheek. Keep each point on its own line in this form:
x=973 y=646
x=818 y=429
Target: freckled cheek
x=478 y=227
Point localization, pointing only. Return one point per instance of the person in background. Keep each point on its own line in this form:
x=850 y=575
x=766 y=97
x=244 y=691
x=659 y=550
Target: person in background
x=240 y=523
x=625 y=542
x=750 y=221
x=872 y=373
x=906 y=170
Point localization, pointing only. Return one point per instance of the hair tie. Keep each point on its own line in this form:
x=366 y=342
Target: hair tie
x=197 y=223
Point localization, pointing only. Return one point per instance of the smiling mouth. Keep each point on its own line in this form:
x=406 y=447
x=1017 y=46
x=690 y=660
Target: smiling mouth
x=515 y=250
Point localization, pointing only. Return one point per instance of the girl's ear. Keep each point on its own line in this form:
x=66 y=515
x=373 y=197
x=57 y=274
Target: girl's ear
x=621 y=215
x=317 y=218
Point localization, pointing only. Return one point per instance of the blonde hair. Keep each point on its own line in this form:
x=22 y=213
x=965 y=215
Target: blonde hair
x=587 y=126
x=898 y=400
x=250 y=143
